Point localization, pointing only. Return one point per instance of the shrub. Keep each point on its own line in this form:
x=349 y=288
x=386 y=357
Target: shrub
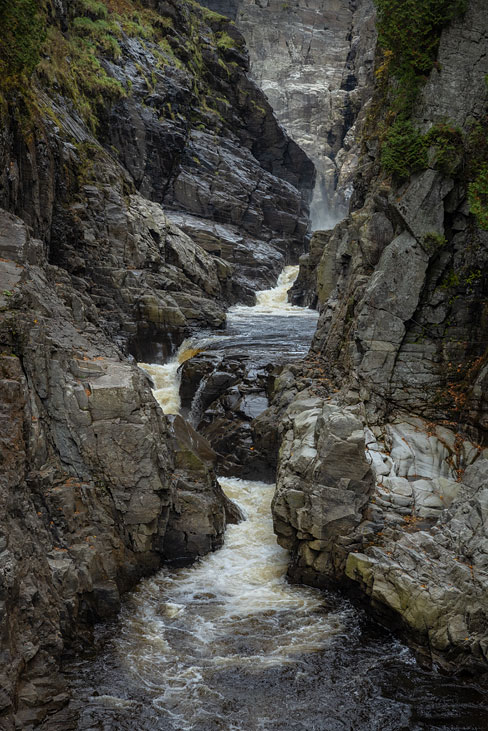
x=403 y=151
x=478 y=197
x=411 y=29
x=20 y=40
x=448 y=142
x=409 y=32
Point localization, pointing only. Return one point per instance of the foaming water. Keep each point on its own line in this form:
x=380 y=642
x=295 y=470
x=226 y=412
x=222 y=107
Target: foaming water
x=270 y=329
x=273 y=301
x=167 y=378
x=273 y=330
x=184 y=631
x=234 y=608
x=229 y=645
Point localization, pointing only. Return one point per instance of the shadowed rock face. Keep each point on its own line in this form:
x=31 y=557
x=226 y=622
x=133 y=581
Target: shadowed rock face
x=97 y=489
x=313 y=59
x=228 y=8
x=382 y=469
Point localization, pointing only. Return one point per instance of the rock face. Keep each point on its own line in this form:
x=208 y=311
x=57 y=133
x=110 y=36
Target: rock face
x=382 y=467
x=222 y=396
x=313 y=59
x=93 y=496
x=185 y=129
x=119 y=131
x=386 y=510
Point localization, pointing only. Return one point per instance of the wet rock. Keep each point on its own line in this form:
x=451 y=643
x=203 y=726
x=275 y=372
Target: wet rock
x=407 y=356
x=399 y=380
x=255 y=263
x=223 y=395
x=397 y=511
x=91 y=500
x=96 y=491
x=217 y=160
x=314 y=62
x=324 y=482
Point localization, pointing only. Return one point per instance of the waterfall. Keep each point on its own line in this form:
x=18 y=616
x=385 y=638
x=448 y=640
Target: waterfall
x=166 y=378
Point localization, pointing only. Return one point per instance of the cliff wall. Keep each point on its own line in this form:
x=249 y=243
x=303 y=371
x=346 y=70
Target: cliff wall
x=118 y=120
x=382 y=469
x=314 y=59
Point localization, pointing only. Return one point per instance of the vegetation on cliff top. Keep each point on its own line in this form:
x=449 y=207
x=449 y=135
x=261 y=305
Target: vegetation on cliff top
x=409 y=34
x=75 y=58
x=23 y=33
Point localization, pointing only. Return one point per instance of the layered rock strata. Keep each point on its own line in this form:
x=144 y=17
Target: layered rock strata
x=93 y=496
x=114 y=120
x=382 y=468
x=179 y=125
x=313 y=59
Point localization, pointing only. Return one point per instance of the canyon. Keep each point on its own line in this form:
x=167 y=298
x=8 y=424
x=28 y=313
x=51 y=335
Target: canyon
x=149 y=187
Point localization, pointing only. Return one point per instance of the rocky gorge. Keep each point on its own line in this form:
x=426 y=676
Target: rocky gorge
x=314 y=61
x=98 y=488
x=146 y=187
x=381 y=477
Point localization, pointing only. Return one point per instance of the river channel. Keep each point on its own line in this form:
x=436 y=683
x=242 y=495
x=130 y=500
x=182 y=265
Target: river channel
x=227 y=644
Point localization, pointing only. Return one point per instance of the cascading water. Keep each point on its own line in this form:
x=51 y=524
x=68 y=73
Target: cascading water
x=166 y=378
x=228 y=644
x=185 y=635
x=270 y=329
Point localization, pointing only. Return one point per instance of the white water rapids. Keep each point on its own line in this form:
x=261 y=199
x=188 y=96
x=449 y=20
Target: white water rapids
x=233 y=612
x=227 y=644
x=271 y=304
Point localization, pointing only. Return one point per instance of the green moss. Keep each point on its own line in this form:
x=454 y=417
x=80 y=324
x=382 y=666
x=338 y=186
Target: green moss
x=258 y=107
x=478 y=197
x=212 y=16
x=71 y=61
x=143 y=23
x=87 y=154
x=101 y=32
x=451 y=280
x=22 y=35
x=225 y=41
x=477 y=170
x=408 y=36
x=403 y=151
x=447 y=142
x=433 y=241
x=71 y=66
x=168 y=55
x=223 y=65
x=409 y=33
x=92 y=7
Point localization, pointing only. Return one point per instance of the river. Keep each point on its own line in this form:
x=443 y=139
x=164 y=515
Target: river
x=228 y=644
